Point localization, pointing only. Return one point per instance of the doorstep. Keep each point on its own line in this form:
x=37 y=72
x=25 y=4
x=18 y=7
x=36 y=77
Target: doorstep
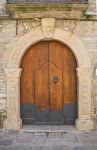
x=48 y=128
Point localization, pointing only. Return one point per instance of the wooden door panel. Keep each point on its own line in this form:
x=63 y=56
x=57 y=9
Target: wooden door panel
x=41 y=94
x=40 y=54
x=27 y=93
x=55 y=87
x=35 y=57
x=56 y=104
x=27 y=97
x=41 y=90
x=69 y=87
x=69 y=77
x=63 y=58
x=43 y=99
x=69 y=113
x=56 y=53
x=55 y=71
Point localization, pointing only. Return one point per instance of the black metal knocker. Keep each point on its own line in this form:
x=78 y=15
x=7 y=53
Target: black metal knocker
x=55 y=79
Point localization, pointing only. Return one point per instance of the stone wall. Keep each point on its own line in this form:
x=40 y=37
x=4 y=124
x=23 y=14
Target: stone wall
x=86 y=31
x=92 y=7
x=11 y=30
x=7 y=37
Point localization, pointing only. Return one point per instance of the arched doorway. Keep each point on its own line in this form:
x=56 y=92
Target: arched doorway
x=48 y=91
x=84 y=72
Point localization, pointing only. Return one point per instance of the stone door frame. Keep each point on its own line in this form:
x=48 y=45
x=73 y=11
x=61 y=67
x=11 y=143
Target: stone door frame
x=84 y=73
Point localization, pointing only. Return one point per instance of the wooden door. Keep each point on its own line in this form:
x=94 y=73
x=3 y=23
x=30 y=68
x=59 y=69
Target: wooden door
x=48 y=84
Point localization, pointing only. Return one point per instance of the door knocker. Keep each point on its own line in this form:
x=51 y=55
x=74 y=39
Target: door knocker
x=55 y=79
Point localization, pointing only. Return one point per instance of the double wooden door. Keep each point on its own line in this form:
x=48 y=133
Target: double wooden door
x=48 y=84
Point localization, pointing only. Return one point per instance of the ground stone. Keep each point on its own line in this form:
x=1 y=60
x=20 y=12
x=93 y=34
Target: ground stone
x=35 y=148
x=55 y=135
x=24 y=139
x=91 y=147
x=6 y=142
x=22 y=147
x=68 y=141
x=39 y=140
x=78 y=148
x=70 y=137
x=56 y=147
x=5 y=148
x=40 y=147
x=87 y=138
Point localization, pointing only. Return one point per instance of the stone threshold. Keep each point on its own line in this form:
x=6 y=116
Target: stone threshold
x=48 y=129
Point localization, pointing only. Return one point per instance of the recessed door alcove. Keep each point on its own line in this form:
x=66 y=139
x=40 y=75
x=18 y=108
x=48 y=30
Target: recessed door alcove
x=48 y=92
x=13 y=73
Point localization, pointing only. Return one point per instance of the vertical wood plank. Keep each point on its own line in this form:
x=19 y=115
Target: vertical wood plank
x=69 y=77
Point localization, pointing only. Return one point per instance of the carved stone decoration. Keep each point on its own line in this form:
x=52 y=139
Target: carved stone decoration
x=68 y=25
x=24 y=26
x=48 y=26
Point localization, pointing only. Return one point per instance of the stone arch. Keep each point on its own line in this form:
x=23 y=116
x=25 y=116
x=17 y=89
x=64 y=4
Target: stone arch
x=13 y=73
x=35 y=36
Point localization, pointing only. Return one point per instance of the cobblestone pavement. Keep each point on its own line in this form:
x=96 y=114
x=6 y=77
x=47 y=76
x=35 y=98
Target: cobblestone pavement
x=68 y=139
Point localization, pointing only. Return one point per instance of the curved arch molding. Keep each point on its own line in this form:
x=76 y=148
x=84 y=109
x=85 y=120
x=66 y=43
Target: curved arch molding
x=84 y=72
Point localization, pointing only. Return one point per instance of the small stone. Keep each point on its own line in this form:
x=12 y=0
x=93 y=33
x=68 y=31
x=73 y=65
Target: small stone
x=91 y=147
x=70 y=137
x=78 y=148
x=66 y=147
x=39 y=140
x=55 y=135
x=22 y=147
x=57 y=147
x=6 y=142
x=37 y=147
x=13 y=132
x=24 y=139
x=5 y=148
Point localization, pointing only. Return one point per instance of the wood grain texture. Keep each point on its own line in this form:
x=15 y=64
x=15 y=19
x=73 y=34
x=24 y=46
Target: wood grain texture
x=41 y=64
x=35 y=56
x=63 y=58
x=69 y=76
x=55 y=88
x=41 y=88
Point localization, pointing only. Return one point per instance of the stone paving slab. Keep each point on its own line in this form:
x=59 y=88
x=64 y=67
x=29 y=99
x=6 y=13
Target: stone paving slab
x=21 y=147
x=91 y=147
x=5 y=148
x=78 y=148
x=6 y=142
x=88 y=137
x=70 y=137
x=68 y=140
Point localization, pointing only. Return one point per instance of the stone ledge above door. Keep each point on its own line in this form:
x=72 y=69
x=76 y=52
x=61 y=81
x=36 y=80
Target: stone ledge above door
x=41 y=10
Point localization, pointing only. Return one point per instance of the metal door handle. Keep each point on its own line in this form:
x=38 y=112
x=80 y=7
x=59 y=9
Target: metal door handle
x=55 y=79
